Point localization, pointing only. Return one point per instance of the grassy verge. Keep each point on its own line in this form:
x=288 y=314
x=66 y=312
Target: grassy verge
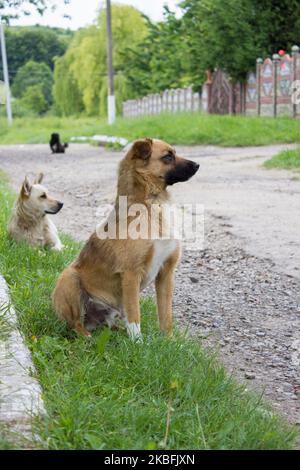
x=13 y=440
x=5 y=326
x=288 y=159
x=109 y=393
x=5 y=444
x=185 y=128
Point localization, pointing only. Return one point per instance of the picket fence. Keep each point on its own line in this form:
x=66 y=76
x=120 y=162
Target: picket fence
x=169 y=101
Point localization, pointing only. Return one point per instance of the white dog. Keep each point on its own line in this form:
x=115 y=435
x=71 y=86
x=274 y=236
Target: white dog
x=29 y=221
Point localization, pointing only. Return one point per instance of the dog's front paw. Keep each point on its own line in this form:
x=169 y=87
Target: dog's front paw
x=134 y=332
x=58 y=247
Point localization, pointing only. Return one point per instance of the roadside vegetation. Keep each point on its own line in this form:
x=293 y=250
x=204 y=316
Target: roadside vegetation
x=288 y=159
x=5 y=326
x=13 y=440
x=106 y=392
x=5 y=444
x=185 y=128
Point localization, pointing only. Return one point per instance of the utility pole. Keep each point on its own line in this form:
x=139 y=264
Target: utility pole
x=5 y=74
x=111 y=101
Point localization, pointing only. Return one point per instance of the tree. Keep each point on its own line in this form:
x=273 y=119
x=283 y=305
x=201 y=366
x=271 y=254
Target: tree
x=280 y=21
x=34 y=73
x=15 y=8
x=39 y=44
x=66 y=93
x=34 y=100
x=85 y=62
x=231 y=35
x=160 y=61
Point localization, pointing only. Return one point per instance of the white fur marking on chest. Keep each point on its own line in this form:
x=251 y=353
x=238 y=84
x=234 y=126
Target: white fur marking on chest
x=162 y=251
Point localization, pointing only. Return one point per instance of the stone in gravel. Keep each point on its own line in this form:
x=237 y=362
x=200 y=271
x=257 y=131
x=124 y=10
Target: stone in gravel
x=194 y=279
x=249 y=376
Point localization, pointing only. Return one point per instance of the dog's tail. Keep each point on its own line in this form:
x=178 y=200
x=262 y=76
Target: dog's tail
x=70 y=300
x=66 y=145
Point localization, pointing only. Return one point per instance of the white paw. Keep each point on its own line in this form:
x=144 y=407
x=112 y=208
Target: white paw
x=58 y=247
x=134 y=332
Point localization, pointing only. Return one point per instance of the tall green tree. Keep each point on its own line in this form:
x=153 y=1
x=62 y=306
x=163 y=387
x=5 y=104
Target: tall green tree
x=31 y=74
x=160 y=61
x=66 y=93
x=39 y=44
x=231 y=34
x=85 y=62
x=33 y=99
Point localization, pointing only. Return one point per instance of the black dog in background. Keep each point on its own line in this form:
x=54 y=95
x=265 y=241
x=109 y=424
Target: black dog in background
x=55 y=144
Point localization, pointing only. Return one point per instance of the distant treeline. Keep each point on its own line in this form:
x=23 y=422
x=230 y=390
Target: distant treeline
x=66 y=72
x=31 y=53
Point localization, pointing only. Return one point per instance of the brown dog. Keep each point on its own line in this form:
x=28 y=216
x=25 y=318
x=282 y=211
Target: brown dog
x=106 y=279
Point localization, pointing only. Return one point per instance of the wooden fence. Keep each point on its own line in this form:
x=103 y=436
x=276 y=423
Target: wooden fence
x=267 y=91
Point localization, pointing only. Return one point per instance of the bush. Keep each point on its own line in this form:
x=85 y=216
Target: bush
x=18 y=110
x=31 y=74
x=34 y=100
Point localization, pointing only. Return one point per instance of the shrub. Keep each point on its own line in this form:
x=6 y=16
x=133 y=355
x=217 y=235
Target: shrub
x=34 y=100
x=31 y=74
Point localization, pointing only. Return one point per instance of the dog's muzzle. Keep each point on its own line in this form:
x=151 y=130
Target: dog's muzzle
x=56 y=209
x=181 y=172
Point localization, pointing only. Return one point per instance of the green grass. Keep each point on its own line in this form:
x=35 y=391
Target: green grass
x=185 y=128
x=38 y=130
x=13 y=440
x=5 y=444
x=107 y=392
x=288 y=159
x=5 y=326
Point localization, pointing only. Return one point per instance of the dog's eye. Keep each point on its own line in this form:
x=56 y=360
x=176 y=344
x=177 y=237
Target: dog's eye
x=43 y=196
x=169 y=158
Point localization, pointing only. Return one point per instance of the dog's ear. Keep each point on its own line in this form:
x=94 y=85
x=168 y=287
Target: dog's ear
x=39 y=178
x=26 y=187
x=142 y=149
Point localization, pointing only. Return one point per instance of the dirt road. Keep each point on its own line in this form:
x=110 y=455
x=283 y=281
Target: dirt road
x=242 y=292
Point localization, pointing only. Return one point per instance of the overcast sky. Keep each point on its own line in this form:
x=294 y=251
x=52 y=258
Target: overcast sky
x=83 y=12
